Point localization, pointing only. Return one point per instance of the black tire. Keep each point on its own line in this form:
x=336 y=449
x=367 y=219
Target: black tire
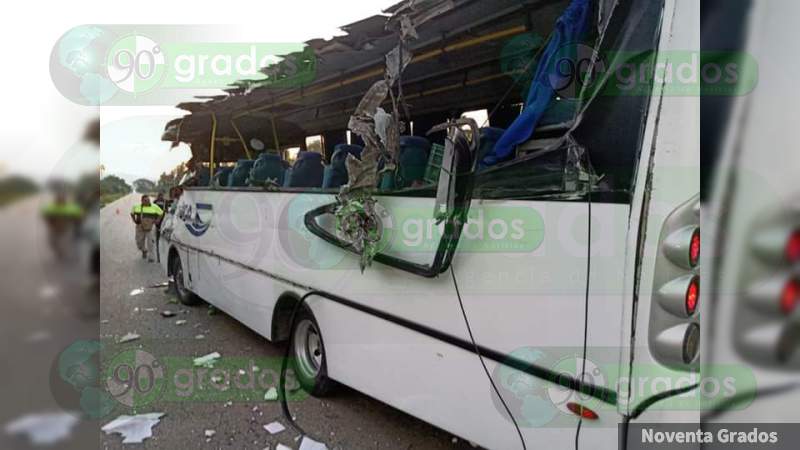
x=307 y=353
x=185 y=296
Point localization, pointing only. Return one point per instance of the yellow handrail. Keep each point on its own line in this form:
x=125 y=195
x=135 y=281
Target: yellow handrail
x=211 y=147
x=241 y=139
x=275 y=134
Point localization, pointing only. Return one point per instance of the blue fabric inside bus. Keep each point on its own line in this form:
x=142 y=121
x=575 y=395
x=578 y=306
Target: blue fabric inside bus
x=268 y=167
x=412 y=159
x=307 y=170
x=336 y=174
x=569 y=29
x=222 y=175
x=238 y=177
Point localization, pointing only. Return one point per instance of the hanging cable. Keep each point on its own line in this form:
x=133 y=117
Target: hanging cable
x=483 y=363
x=590 y=168
x=285 y=363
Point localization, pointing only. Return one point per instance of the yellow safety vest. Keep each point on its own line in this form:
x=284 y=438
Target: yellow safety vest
x=65 y=210
x=152 y=211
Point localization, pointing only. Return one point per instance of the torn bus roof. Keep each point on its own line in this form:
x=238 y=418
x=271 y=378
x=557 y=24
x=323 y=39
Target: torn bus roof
x=463 y=60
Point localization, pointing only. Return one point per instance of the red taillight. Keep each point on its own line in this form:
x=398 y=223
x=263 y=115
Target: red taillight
x=789 y=296
x=582 y=411
x=793 y=247
x=692 y=295
x=694 y=249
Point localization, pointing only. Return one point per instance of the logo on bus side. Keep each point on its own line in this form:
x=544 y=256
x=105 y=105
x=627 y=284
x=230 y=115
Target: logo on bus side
x=197 y=224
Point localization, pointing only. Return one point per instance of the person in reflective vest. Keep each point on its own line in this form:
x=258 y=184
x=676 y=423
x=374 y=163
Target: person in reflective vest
x=63 y=218
x=146 y=215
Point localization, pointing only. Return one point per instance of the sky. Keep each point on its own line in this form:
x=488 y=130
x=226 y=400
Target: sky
x=40 y=130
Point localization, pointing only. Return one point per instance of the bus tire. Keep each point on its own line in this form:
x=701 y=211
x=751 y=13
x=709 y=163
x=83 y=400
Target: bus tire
x=185 y=296
x=308 y=357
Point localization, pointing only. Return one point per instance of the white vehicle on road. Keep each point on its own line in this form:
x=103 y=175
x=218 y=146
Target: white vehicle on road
x=575 y=278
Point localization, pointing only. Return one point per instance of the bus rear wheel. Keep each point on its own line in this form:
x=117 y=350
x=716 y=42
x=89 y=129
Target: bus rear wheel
x=185 y=296
x=308 y=355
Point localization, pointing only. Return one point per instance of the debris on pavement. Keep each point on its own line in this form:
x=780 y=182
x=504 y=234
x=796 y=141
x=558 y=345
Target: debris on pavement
x=136 y=291
x=158 y=285
x=209 y=434
x=43 y=428
x=134 y=429
x=167 y=313
x=271 y=395
x=200 y=336
x=282 y=447
x=48 y=291
x=151 y=309
x=274 y=427
x=309 y=444
x=180 y=322
x=38 y=336
x=128 y=338
x=207 y=361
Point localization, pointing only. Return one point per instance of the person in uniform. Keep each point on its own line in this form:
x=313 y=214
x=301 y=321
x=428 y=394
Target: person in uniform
x=63 y=217
x=146 y=215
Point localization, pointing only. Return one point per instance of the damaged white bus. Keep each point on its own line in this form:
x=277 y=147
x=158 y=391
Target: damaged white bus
x=517 y=281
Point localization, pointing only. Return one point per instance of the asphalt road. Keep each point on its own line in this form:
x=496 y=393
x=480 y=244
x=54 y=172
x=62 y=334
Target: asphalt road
x=346 y=420
x=43 y=310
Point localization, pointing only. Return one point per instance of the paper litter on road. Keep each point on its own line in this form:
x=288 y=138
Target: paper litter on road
x=136 y=291
x=180 y=322
x=158 y=285
x=48 y=291
x=207 y=361
x=309 y=444
x=38 y=336
x=282 y=447
x=43 y=428
x=271 y=395
x=200 y=336
x=128 y=338
x=210 y=433
x=274 y=427
x=134 y=429
x=151 y=309
x=167 y=313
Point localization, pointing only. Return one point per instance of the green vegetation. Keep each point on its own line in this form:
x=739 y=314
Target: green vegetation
x=144 y=186
x=170 y=179
x=112 y=188
x=15 y=187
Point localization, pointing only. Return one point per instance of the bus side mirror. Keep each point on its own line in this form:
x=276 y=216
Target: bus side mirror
x=458 y=164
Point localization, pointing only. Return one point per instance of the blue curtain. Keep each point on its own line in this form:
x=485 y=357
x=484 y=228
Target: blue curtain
x=570 y=29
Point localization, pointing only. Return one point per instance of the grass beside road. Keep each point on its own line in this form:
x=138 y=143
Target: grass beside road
x=110 y=198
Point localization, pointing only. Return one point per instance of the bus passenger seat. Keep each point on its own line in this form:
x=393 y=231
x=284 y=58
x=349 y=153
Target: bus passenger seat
x=412 y=160
x=336 y=174
x=268 y=168
x=222 y=176
x=489 y=137
x=238 y=177
x=307 y=170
